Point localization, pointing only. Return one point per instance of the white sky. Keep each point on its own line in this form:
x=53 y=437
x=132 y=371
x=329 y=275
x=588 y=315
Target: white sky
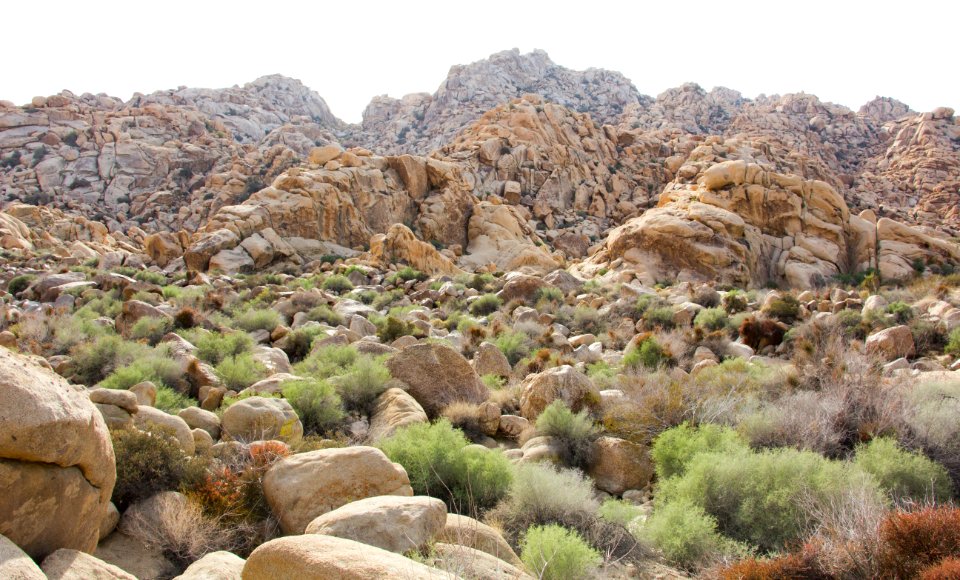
x=349 y=51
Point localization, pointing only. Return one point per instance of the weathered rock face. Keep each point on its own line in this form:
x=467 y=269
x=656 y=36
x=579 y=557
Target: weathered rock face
x=620 y=465
x=420 y=123
x=307 y=485
x=466 y=531
x=744 y=225
x=397 y=524
x=393 y=409
x=471 y=563
x=262 y=419
x=436 y=376
x=56 y=461
x=316 y=557
x=65 y=564
x=215 y=566
x=400 y=246
x=16 y=564
x=892 y=343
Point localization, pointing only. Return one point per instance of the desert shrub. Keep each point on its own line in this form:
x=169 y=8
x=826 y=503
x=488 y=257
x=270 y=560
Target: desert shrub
x=493 y=382
x=327 y=362
x=900 y=311
x=946 y=569
x=337 y=284
x=658 y=317
x=914 y=540
x=797 y=565
x=548 y=295
x=172 y=401
x=618 y=511
x=153 y=366
x=514 y=345
x=553 y=552
x=362 y=383
x=187 y=317
x=756 y=497
x=647 y=354
x=711 y=319
x=94 y=361
x=406 y=274
x=240 y=371
x=151 y=329
x=676 y=447
x=587 y=320
x=903 y=474
x=75 y=330
x=179 y=530
x=257 y=319
x=151 y=277
x=929 y=337
x=213 y=347
x=297 y=343
x=465 y=417
x=953 y=343
x=603 y=375
x=391 y=328
x=931 y=416
x=148 y=463
x=468 y=480
x=686 y=535
x=542 y=494
x=18 y=284
x=786 y=309
x=486 y=304
x=576 y=431
x=316 y=403
x=325 y=314
x=734 y=302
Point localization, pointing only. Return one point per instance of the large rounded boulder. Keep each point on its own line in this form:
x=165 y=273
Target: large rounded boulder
x=566 y=383
x=261 y=419
x=57 y=468
x=395 y=523
x=437 y=375
x=306 y=485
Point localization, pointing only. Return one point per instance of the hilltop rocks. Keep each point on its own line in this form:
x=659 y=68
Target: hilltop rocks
x=316 y=557
x=400 y=246
x=566 y=383
x=304 y=486
x=397 y=524
x=500 y=236
x=56 y=461
x=437 y=375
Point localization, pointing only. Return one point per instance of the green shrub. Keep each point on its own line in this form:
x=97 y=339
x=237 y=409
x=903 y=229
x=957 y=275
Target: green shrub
x=953 y=343
x=20 y=283
x=644 y=303
x=391 y=328
x=587 y=320
x=316 y=403
x=758 y=497
x=151 y=277
x=486 y=304
x=406 y=274
x=76 y=330
x=686 y=535
x=325 y=314
x=901 y=311
x=363 y=382
x=147 y=464
x=171 y=401
x=493 y=382
x=213 y=347
x=94 y=361
x=676 y=447
x=327 y=362
x=928 y=336
x=648 y=354
x=514 y=345
x=151 y=329
x=734 y=302
x=553 y=552
x=618 y=511
x=576 y=432
x=468 y=480
x=785 y=309
x=711 y=319
x=659 y=317
x=240 y=371
x=153 y=367
x=258 y=319
x=298 y=342
x=337 y=284
x=548 y=294
x=903 y=474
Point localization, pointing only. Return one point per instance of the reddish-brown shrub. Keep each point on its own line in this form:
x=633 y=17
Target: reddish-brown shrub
x=796 y=566
x=948 y=569
x=760 y=333
x=913 y=541
x=187 y=317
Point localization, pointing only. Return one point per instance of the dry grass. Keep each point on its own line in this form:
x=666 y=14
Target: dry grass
x=464 y=416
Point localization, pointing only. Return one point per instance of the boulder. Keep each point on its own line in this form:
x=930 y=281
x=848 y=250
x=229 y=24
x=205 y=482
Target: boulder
x=316 y=557
x=489 y=360
x=15 y=564
x=214 y=566
x=304 y=486
x=618 y=465
x=132 y=556
x=892 y=343
x=566 y=383
x=466 y=531
x=394 y=523
x=393 y=409
x=57 y=467
x=471 y=563
x=156 y=421
x=197 y=418
x=437 y=375
x=66 y=564
x=261 y=418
